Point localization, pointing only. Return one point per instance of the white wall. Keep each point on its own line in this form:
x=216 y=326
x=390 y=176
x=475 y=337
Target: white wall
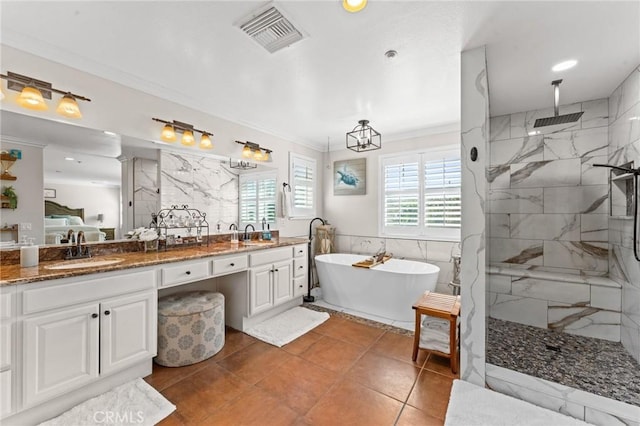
x=129 y=112
x=358 y=214
x=94 y=199
x=28 y=186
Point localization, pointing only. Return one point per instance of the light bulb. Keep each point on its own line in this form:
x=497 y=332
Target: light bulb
x=354 y=5
x=205 y=142
x=246 y=151
x=266 y=156
x=31 y=98
x=68 y=107
x=258 y=155
x=187 y=138
x=168 y=133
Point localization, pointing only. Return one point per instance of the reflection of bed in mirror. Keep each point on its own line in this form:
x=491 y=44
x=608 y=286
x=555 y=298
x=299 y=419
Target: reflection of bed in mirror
x=59 y=220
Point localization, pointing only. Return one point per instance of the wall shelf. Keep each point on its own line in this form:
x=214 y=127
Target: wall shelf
x=170 y=221
x=7 y=161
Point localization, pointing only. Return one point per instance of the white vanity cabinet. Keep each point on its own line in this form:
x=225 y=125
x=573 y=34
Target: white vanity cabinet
x=76 y=331
x=7 y=333
x=300 y=270
x=269 y=279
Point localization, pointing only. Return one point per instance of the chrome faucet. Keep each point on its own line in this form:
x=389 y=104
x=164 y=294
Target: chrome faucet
x=245 y=231
x=80 y=251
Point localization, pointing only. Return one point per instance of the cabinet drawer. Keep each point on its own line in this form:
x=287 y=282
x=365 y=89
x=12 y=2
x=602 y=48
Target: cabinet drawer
x=184 y=273
x=56 y=296
x=229 y=265
x=300 y=250
x=299 y=286
x=269 y=256
x=5 y=349
x=5 y=305
x=299 y=267
x=5 y=392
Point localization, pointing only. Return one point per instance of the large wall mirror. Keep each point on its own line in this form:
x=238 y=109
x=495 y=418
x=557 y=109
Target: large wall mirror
x=107 y=184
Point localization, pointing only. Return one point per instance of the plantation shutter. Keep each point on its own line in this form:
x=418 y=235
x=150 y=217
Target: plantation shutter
x=302 y=176
x=442 y=180
x=257 y=199
x=401 y=197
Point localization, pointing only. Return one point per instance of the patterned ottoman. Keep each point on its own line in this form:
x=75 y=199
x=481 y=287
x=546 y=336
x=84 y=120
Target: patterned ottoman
x=190 y=327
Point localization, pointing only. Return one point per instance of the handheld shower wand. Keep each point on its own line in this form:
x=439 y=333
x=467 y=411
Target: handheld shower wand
x=635 y=173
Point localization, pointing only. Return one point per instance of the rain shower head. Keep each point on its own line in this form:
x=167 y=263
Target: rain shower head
x=557 y=118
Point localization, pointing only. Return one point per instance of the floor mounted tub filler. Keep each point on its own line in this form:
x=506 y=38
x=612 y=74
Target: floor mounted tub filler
x=387 y=290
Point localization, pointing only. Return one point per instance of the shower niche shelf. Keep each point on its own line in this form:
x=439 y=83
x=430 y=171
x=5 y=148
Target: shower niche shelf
x=621 y=193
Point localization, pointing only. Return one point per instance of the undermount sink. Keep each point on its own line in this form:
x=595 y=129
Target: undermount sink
x=258 y=243
x=84 y=263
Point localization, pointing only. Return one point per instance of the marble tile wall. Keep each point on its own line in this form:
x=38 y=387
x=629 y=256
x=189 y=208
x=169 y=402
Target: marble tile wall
x=202 y=183
x=146 y=198
x=474 y=135
x=435 y=252
x=548 y=211
x=624 y=146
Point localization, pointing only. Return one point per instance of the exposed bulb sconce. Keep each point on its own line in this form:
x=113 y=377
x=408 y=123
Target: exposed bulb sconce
x=253 y=151
x=354 y=5
x=363 y=138
x=170 y=128
x=34 y=92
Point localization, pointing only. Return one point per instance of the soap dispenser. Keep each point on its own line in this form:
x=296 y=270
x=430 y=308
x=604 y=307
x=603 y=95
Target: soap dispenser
x=234 y=237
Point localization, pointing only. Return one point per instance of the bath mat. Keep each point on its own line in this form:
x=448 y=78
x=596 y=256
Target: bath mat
x=287 y=326
x=472 y=405
x=134 y=403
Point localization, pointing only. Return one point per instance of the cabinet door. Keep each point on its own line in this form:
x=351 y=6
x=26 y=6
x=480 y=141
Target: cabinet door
x=282 y=286
x=261 y=289
x=128 y=332
x=60 y=352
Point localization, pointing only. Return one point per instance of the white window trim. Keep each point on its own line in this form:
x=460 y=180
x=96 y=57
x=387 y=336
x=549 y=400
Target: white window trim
x=257 y=176
x=301 y=213
x=422 y=232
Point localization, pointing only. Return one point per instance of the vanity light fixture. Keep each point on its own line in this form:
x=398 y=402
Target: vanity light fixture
x=363 y=138
x=354 y=5
x=253 y=151
x=34 y=92
x=170 y=128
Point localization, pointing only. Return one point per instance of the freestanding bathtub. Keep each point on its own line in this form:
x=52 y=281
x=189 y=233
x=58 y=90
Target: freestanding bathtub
x=388 y=290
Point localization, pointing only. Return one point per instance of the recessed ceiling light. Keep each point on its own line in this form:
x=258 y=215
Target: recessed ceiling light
x=534 y=132
x=354 y=5
x=391 y=54
x=69 y=158
x=106 y=132
x=565 y=65
x=634 y=119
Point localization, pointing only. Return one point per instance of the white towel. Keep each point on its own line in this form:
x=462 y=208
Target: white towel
x=285 y=203
x=435 y=346
x=435 y=323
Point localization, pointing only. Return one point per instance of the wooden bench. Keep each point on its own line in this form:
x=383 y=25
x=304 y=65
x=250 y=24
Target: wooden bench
x=443 y=306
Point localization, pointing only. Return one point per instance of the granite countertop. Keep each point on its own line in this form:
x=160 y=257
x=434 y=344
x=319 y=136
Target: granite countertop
x=13 y=274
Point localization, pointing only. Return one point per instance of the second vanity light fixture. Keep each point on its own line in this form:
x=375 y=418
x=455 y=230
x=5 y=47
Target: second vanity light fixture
x=364 y=138
x=170 y=129
x=253 y=151
x=33 y=93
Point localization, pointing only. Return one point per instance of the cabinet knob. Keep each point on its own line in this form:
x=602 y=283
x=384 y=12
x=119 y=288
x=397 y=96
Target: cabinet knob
x=300 y=286
x=300 y=267
x=275 y=270
x=107 y=312
x=94 y=315
x=188 y=272
x=300 y=251
x=232 y=264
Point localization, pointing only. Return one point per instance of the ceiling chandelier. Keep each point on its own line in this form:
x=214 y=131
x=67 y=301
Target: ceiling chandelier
x=34 y=92
x=168 y=133
x=363 y=138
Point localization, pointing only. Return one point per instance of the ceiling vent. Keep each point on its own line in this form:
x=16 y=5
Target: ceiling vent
x=271 y=30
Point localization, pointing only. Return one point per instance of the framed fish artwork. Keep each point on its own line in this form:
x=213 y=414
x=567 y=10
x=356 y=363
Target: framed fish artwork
x=350 y=177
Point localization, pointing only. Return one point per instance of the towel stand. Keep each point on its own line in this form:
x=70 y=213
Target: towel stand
x=443 y=306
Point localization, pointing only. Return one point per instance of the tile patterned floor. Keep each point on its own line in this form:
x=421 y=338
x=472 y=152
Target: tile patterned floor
x=345 y=372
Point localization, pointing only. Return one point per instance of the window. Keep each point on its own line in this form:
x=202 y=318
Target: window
x=257 y=199
x=302 y=179
x=420 y=195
